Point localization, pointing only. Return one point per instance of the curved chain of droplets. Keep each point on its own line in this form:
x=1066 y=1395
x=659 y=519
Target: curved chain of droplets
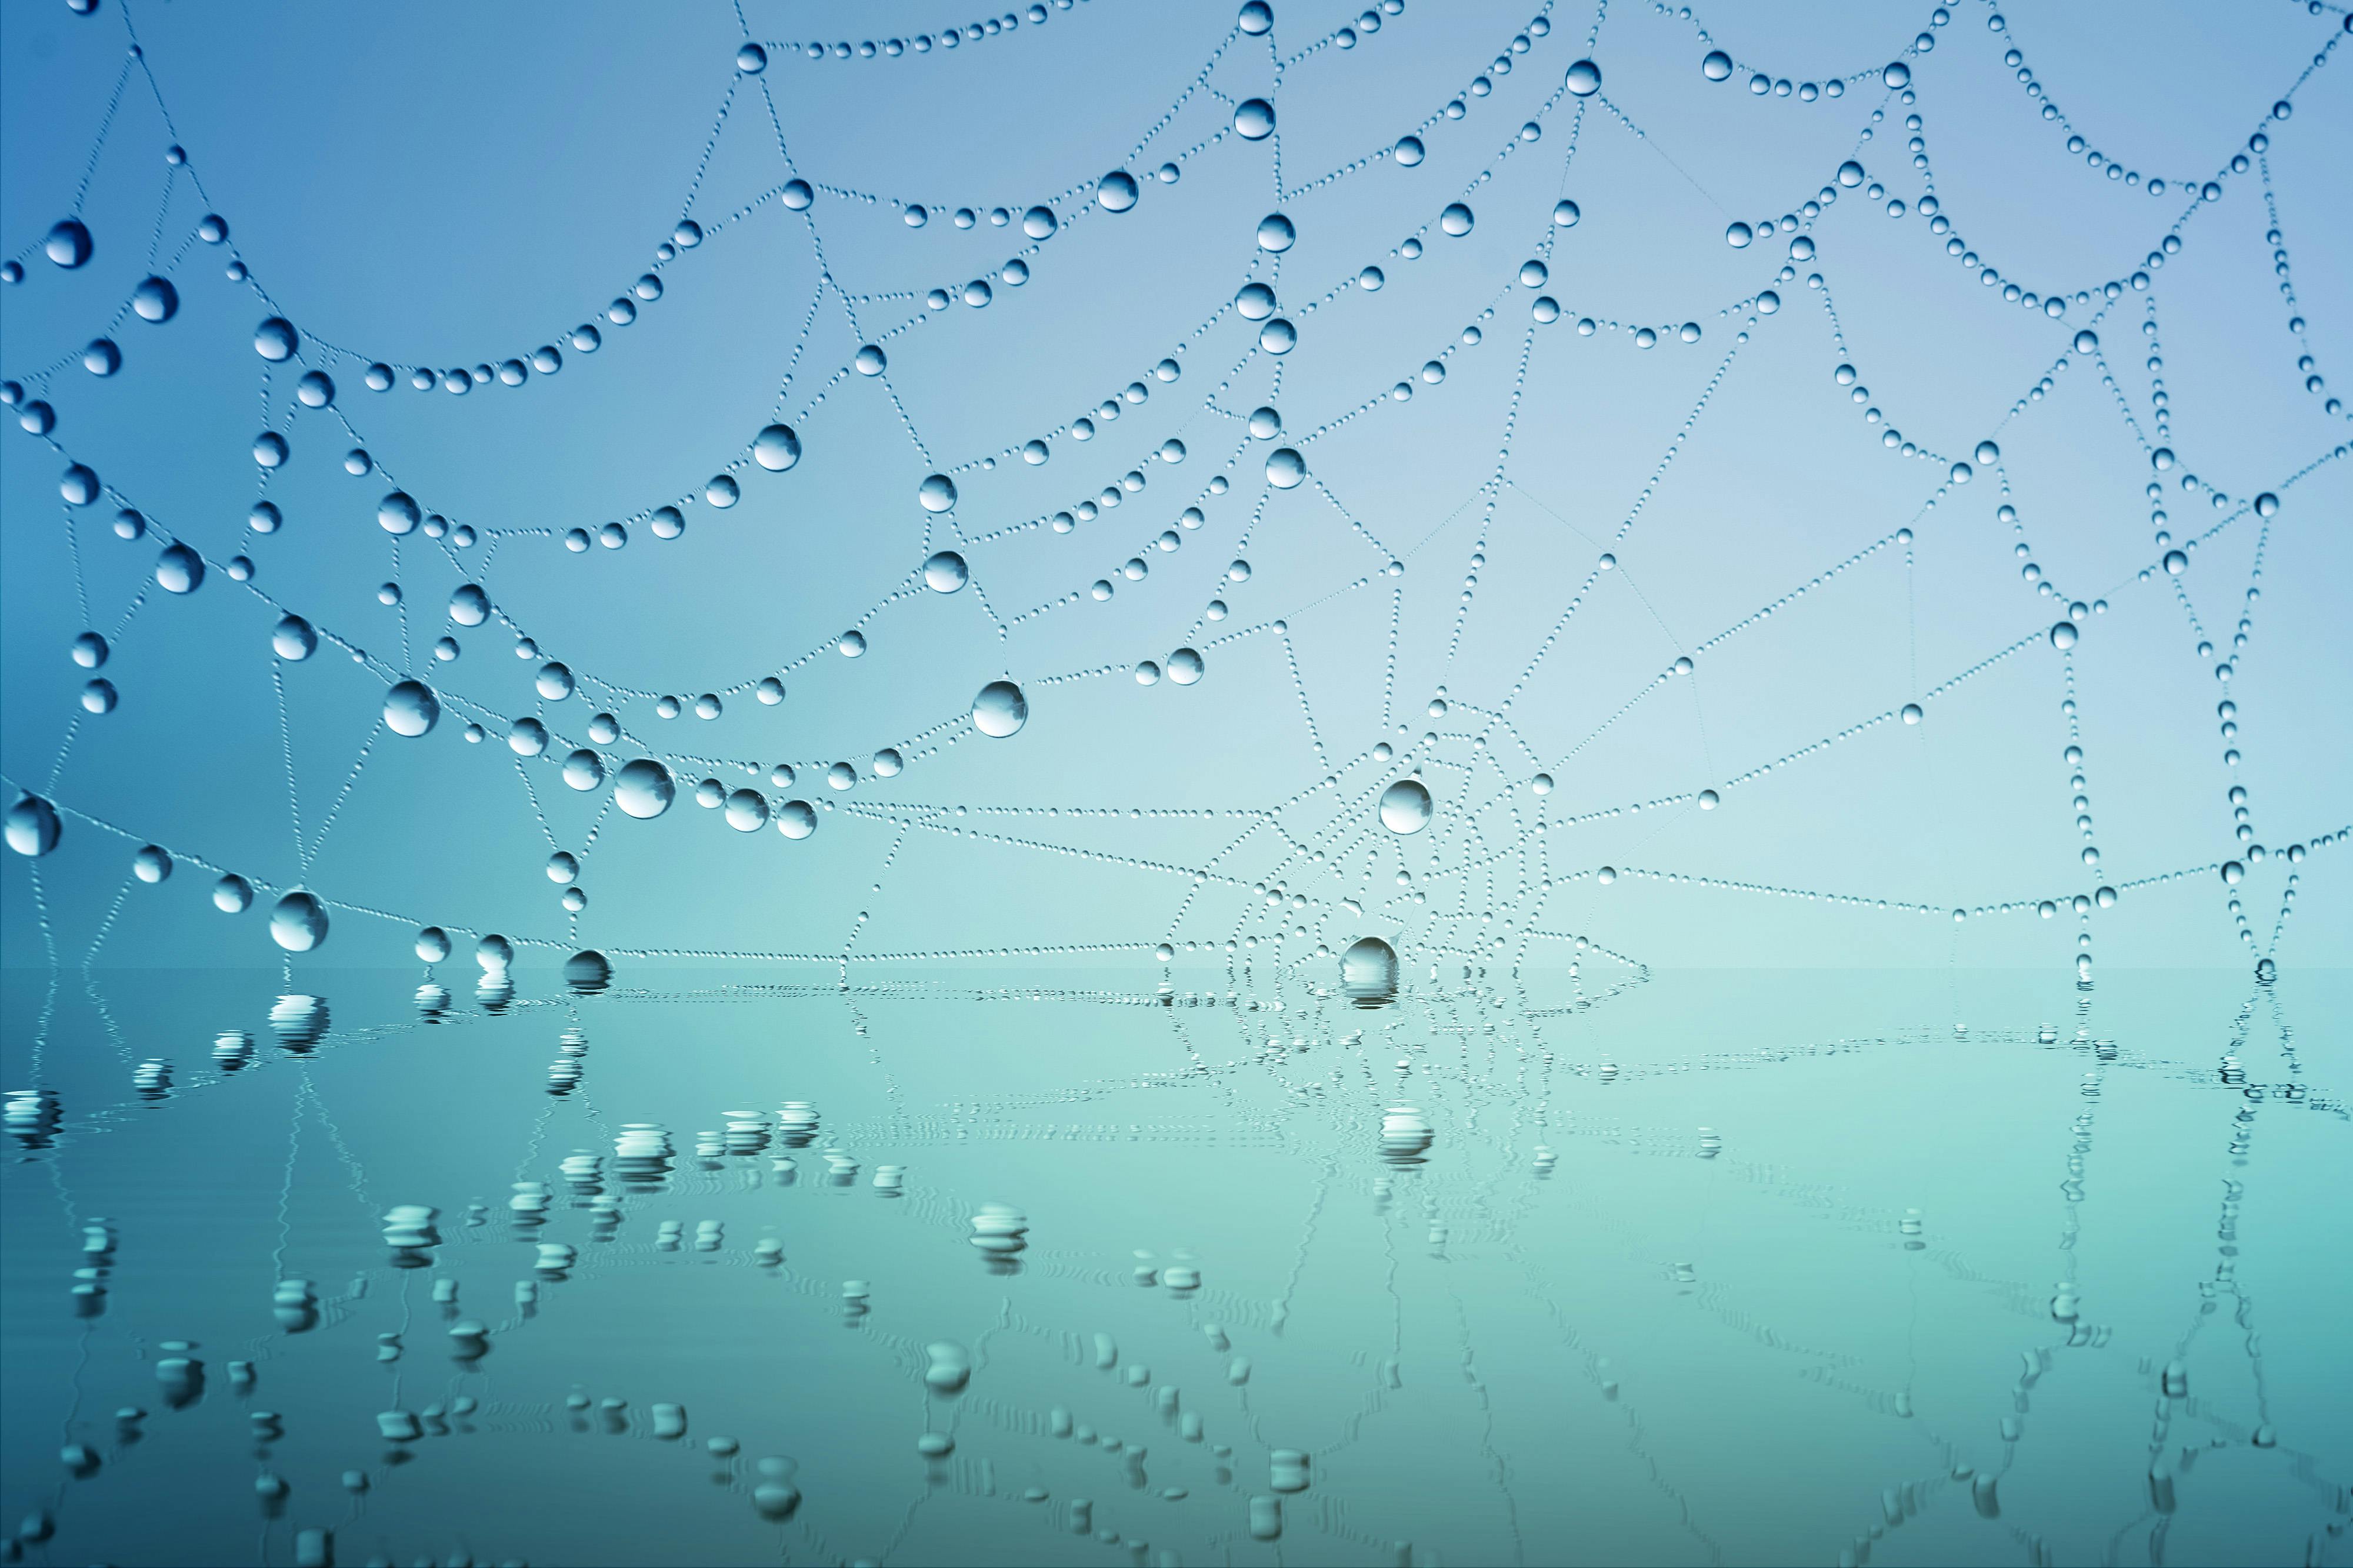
x=1347 y=832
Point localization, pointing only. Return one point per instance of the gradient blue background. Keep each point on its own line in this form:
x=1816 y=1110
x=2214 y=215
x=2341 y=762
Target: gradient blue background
x=1648 y=1299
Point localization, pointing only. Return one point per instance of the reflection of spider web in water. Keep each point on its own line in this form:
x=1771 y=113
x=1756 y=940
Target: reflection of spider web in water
x=1309 y=871
x=1190 y=1386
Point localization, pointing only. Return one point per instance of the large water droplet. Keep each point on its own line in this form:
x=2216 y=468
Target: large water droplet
x=1286 y=468
x=68 y=244
x=1405 y=806
x=299 y=923
x=293 y=640
x=1254 y=119
x=644 y=788
x=276 y=339
x=155 y=299
x=32 y=826
x=936 y=493
x=410 y=709
x=1584 y=78
x=1116 y=191
x=945 y=573
x=776 y=448
x=999 y=710
x=1368 y=972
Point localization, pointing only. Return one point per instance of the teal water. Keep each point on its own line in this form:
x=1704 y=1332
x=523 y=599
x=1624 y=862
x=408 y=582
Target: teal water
x=1652 y=1291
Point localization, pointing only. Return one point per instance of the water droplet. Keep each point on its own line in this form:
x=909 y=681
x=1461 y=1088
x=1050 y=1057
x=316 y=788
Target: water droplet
x=293 y=640
x=1407 y=151
x=1275 y=232
x=410 y=709
x=1286 y=468
x=276 y=340
x=1584 y=78
x=1185 y=666
x=154 y=299
x=1405 y=806
x=775 y=449
x=936 y=493
x=796 y=819
x=32 y=827
x=2063 y=635
x=945 y=573
x=1116 y=191
x=643 y=788
x=1254 y=119
x=68 y=244
x=1716 y=65
x=1001 y=710
x=299 y=923
x=179 y=570
x=1456 y=219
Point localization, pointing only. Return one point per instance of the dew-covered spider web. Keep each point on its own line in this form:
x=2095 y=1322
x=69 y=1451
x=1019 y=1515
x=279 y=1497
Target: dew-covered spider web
x=1454 y=785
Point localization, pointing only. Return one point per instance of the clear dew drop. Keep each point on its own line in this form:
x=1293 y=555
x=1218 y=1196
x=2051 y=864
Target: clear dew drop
x=154 y=299
x=999 y=710
x=936 y=493
x=945 y=571
x=1584 y=78
x=1116 y=192
x=1254 y=119
x=179 y=570
x=1405 y=806
x=293 y=640
x=68 y=244
x=1407 y=151
x=1286 y=468
x=1185 y=666
x=775 y=449
x=796 y=819
x=1716 y=65
x=1276 y=233
x=411 y=709
x=32 y=828
x=299 y=923
x=1456 y=220
x=276 y=340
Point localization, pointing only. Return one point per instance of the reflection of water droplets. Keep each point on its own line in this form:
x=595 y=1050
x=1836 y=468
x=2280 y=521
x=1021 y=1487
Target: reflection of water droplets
x=999 y=710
